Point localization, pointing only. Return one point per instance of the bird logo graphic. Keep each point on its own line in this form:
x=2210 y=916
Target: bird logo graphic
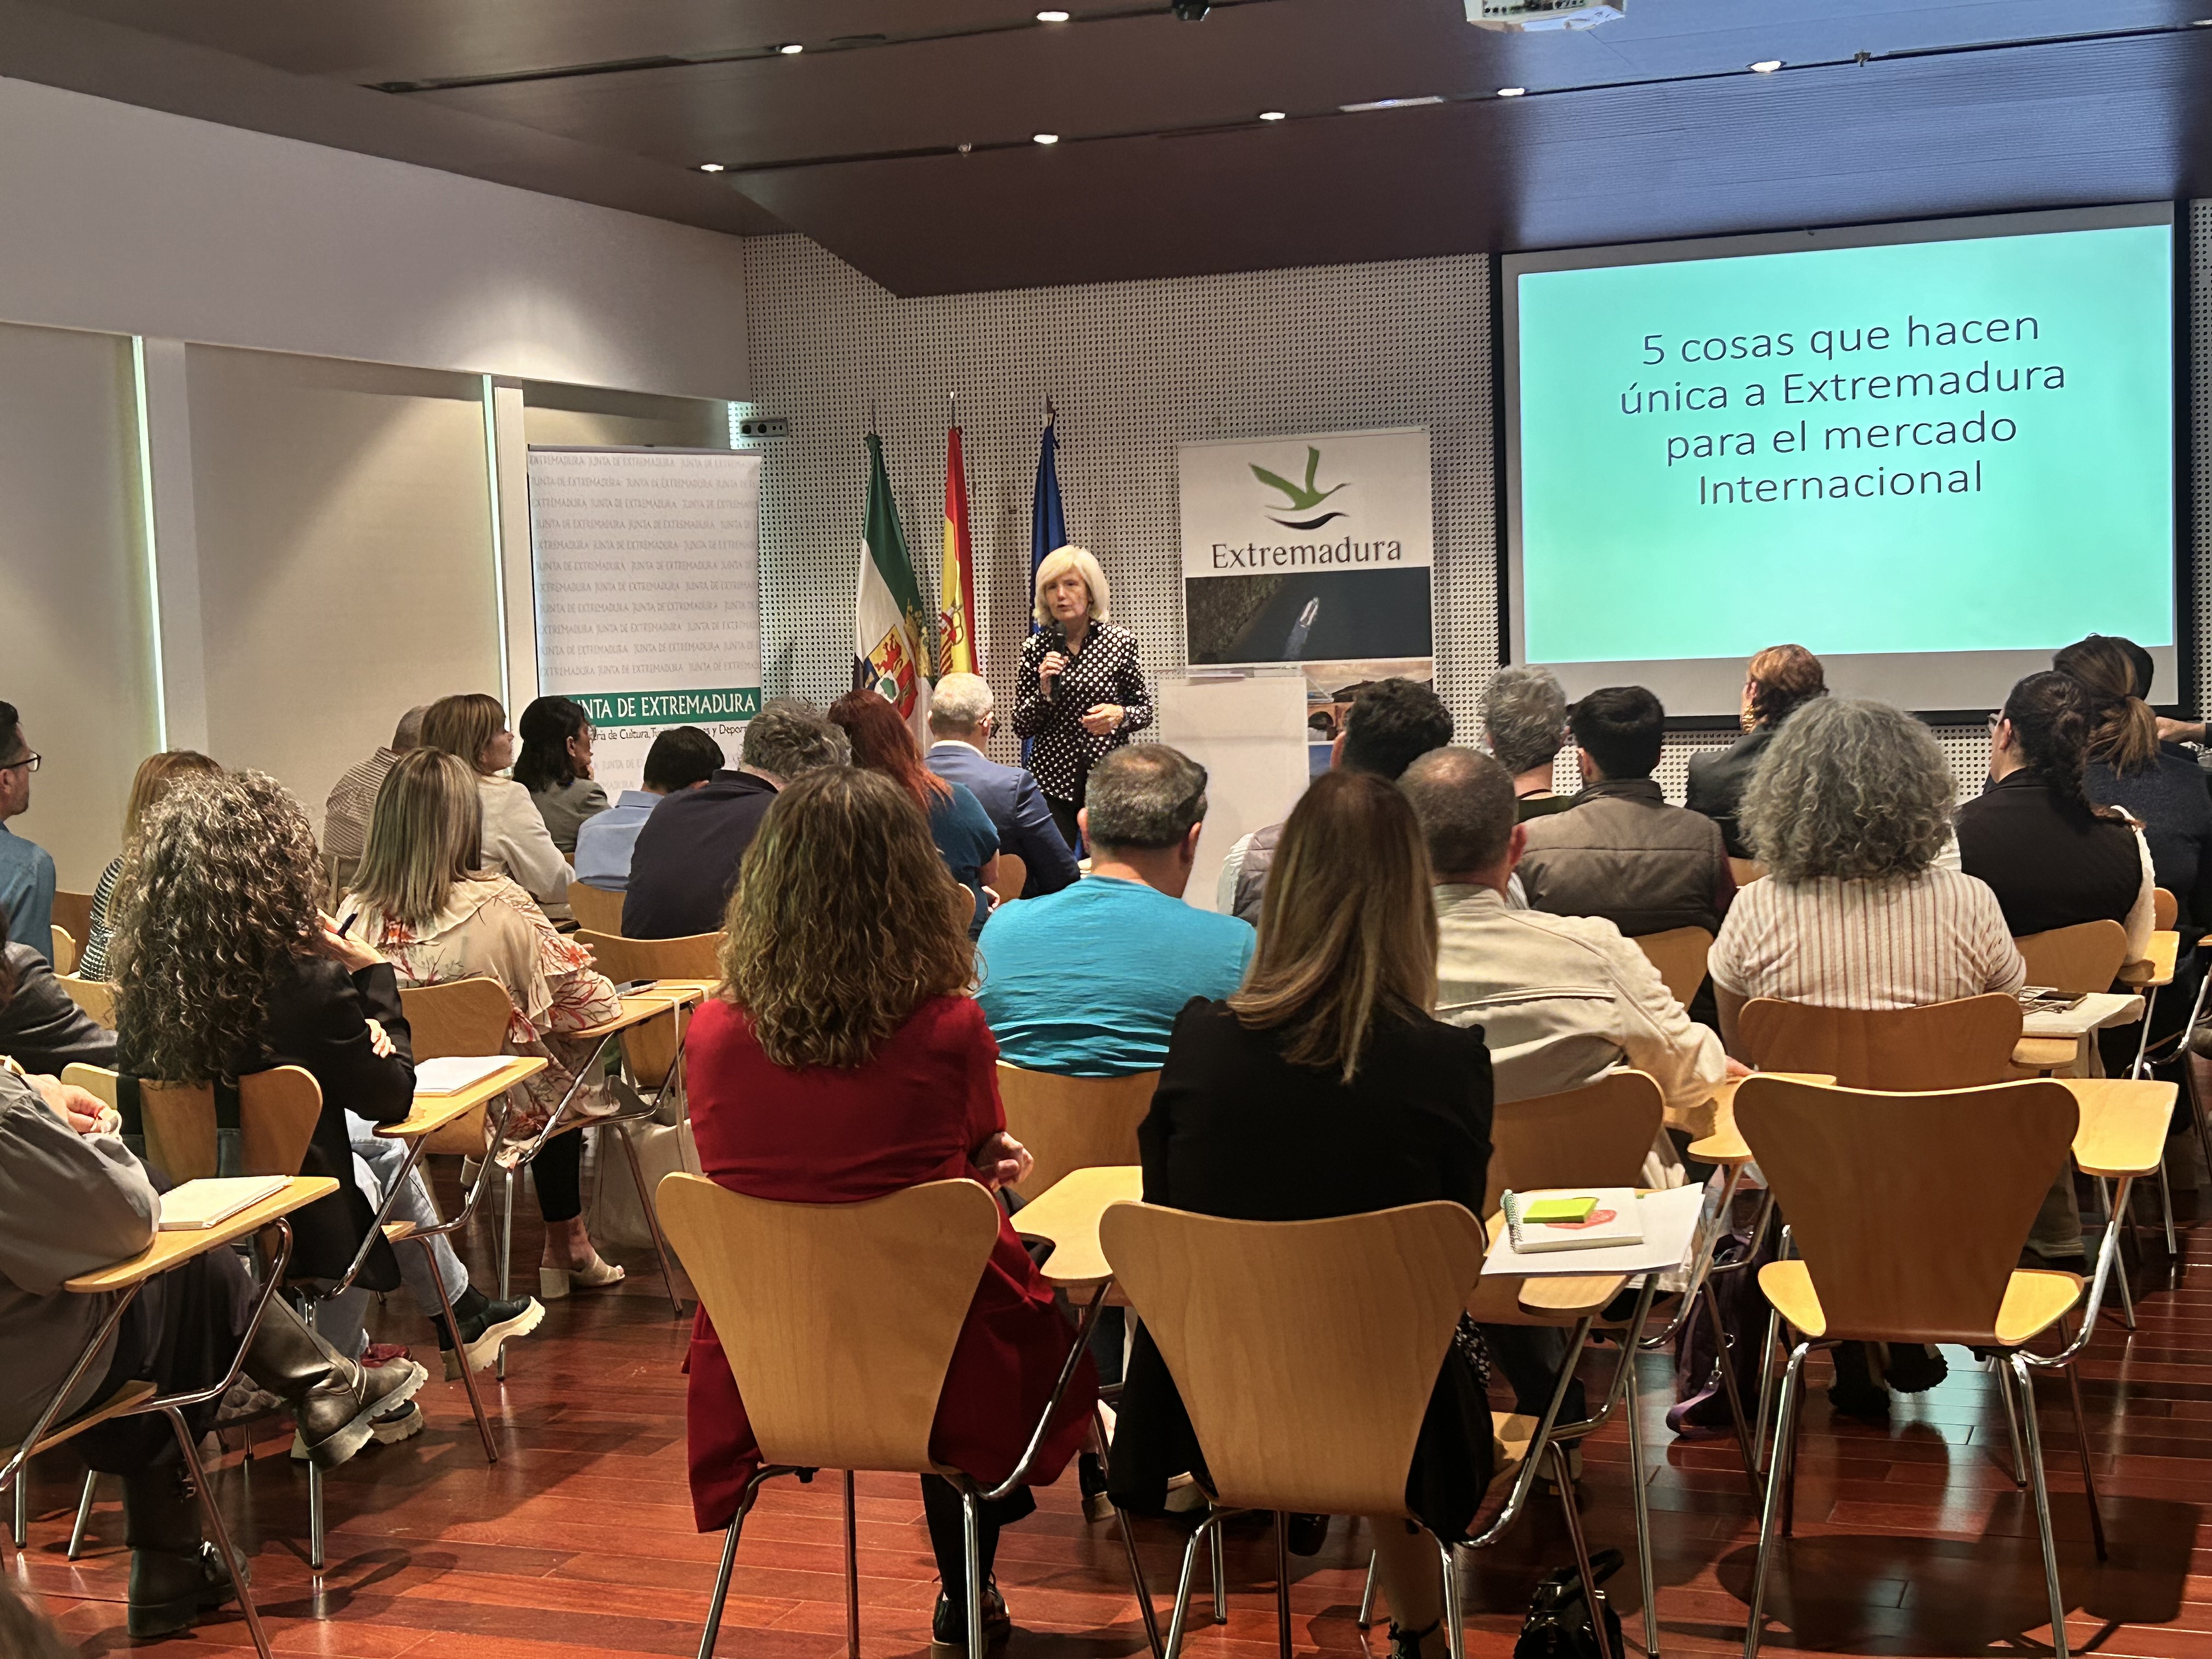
x=1299 y=498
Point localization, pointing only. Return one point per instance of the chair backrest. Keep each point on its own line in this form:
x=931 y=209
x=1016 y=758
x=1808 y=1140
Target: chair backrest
x=835 y=1373
x=1305 y=1351
x=695 y=956
x=1747 y=870
x=595 y=908
x=277 y=1111
x=1013 y=876
x=1944 y=1045
x=97 y=1080
x=2164 y=907
x=66 y=953
x=1909 y=1209
x=1073 y=1123
x=95 y=996
x=464 y=1016
x=74 y=912
x=1597 y=1135
x=2076 y=960
x=1679 y=955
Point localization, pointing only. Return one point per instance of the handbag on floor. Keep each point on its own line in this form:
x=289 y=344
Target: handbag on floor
x=616 y=1218
x=1558 y=1624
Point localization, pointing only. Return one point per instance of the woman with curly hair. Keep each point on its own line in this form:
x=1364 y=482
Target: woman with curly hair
x=966 y=838
x=421 y=901
x=841 y=1061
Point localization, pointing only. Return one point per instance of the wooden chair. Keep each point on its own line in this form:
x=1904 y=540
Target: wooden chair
x=1747 y=870
x=65 y=953
x=1013 y=876
x=95 y=996
x=1894 y=1245
x=2164 y=907
x=1305 y=1352
x=74 y=912
x=654 y=1051
x=2080 y=961
x=595 y=908
x=1679 y=955
x=462 y=1017
x=1944 y=1045
x=834 y=1375
x=1073 y=1123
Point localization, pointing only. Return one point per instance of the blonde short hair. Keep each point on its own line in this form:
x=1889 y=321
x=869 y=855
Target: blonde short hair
x=1057 y=563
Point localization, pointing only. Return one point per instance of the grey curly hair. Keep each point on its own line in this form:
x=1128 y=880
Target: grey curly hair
x=1525 y=712
x=1850 y=788
x=225 y=891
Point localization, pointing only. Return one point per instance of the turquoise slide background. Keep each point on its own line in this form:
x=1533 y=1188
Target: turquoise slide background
x=2071 y=533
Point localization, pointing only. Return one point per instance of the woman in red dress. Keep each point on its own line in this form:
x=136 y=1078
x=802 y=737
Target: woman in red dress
x=842 y=1059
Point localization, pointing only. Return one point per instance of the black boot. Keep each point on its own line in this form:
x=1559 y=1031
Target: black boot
x=1406 y=1643
x=948 y=1623
x=174 y=1574
x=332 y=1399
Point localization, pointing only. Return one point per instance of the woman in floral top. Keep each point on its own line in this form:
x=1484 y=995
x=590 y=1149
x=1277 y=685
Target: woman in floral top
x=422 y=900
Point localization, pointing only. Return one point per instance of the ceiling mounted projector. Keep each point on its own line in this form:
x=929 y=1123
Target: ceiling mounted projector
x=1532 y=16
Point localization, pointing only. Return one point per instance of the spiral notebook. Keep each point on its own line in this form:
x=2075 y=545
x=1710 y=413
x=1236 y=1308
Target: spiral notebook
x=1606 y=1216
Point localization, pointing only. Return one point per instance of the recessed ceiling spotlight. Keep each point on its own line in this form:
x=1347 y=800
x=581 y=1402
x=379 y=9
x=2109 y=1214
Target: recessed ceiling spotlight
x=1052 y=17
x=1274 y=115
x=791 y=49
x=1044 y=137
x=1513 y=92
x=1766 y=66
x=711 y=166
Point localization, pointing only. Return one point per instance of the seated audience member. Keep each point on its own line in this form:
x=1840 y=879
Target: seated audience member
x=74 y=1198
x=555 y=765
x=1776 y=680
x=1087 y=981
x=516 y=843
x=27 y=869
x=228 y=966
x=684 y=865
x=682 y=757
x=961 y=722
x=2051 y=857
x=1848 y=809
x=1524 y=720
x=965 y=836
x=353 y=797
x=2158 y=783
x=840 y=1060
x=1324 y=1088
x=157 y=775
x=1389 y=724
x=41 y=1028
x=1620 y=851
x=424 y=903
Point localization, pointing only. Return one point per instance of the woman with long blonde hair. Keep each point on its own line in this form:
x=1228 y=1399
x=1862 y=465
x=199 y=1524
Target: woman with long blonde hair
x=841 y=1061
x=1324 y=1088
x=156 y=776
x=423 y=900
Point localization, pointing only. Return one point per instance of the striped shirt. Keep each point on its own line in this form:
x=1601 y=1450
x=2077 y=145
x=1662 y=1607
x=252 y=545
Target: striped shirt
x=353 y=797
x=1936 y=937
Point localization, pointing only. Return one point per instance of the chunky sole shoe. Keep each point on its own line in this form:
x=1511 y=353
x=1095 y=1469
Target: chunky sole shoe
x=394 y=1427
x=484 y=1347
x=207 y=1587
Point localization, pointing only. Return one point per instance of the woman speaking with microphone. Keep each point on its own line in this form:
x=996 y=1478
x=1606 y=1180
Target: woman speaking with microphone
x=1081 y=692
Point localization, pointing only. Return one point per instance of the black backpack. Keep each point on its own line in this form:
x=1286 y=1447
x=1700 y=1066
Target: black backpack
x=1558 y=1625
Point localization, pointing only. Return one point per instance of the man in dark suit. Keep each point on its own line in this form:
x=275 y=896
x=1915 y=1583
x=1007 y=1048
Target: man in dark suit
x=960 y=722
x=687 y=856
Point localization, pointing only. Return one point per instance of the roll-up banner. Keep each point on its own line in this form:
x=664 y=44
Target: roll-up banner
x=645 y=564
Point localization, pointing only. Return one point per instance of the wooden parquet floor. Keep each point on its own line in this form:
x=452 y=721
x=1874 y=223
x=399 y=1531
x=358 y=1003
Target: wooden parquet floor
x=1910 y=1540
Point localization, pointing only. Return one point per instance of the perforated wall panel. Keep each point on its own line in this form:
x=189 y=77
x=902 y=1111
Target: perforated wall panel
x=1137 y=369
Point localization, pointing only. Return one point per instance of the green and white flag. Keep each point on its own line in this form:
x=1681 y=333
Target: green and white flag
x=890 y=633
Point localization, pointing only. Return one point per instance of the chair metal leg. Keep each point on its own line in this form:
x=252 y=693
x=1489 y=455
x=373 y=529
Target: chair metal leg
x=315 y=1542
x=506 y=1247
x=20 y=1530
x=1771 y=1510
x=1646 y=1576
x=1995 y=1366
x=1217 y=1560
x=1562 y=1472
x=2042 y=1491
x=652 y=1218
x=971 y=1551
x=2081 y=1439
x=1282 y=1584
x=2166 y=1209
x=2120 y=1265
x=461 y=1348
x=1454 y=1616
x=851 y=1573
x=218 y=1530
x=84 y=1515
x=722 y=1586
x=1143 y=1590
x=1365 y=1620
x=1183 y=1585
x=1729 y=1387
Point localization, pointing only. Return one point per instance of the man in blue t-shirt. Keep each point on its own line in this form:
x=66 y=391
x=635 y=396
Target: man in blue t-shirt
x=27 y=869
x=1087 y=981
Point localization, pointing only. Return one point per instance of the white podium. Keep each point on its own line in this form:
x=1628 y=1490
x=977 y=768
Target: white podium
x=1249 y=734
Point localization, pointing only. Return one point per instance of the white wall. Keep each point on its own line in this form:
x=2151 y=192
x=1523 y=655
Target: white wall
x=135 y=222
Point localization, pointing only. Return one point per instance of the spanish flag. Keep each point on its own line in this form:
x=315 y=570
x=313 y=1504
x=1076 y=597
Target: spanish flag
x=956 y=613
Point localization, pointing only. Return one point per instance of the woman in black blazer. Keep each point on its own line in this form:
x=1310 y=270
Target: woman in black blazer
x=1775 y=682
x=1324 y=1089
